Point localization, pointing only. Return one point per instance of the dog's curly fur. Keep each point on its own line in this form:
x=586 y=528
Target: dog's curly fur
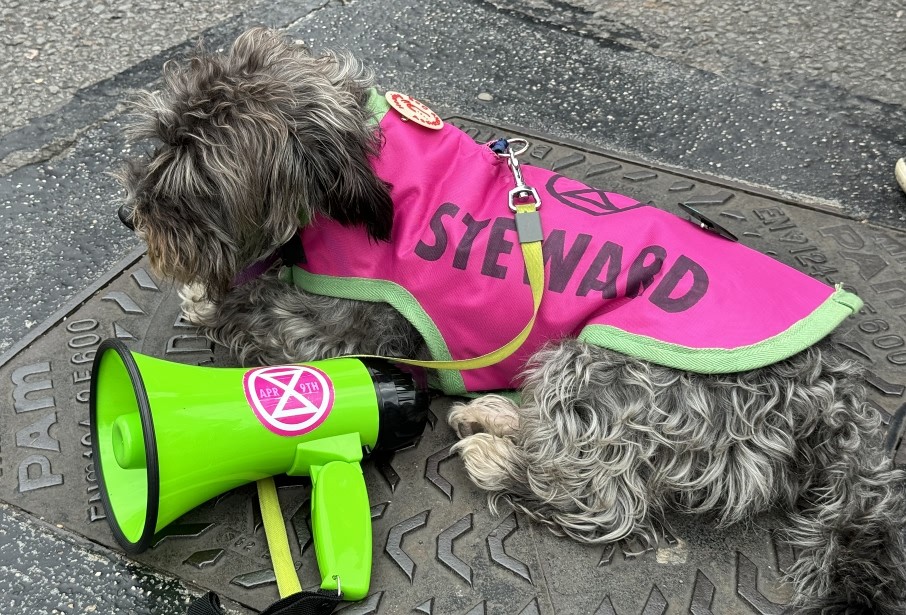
x=256 y=141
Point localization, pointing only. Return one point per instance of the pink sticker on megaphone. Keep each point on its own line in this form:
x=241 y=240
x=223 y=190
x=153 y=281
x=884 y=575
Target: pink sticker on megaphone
x=290 y=400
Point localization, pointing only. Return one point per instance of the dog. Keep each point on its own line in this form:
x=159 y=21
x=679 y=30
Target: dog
x=254 y=143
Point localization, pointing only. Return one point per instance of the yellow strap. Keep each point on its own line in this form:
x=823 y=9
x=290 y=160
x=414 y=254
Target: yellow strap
x=534 y=266
x=277 y=541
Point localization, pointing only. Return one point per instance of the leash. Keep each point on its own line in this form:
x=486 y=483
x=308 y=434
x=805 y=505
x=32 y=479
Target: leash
x=524 y=202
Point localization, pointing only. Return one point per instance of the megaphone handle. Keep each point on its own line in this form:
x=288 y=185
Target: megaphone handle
x=277 y=541
x=341 y=524
x=303 y=603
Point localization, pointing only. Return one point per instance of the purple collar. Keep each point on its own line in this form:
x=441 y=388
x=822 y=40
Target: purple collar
x=289 y=253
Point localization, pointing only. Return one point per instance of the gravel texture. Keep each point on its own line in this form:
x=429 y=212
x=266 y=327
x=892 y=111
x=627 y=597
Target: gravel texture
x=49 y=49
x=799 y=45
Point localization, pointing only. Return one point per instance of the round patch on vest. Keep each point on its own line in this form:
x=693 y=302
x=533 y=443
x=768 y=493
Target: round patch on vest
x=414 y=110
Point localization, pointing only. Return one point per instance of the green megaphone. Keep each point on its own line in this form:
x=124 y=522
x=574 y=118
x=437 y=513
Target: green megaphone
x=167 y=437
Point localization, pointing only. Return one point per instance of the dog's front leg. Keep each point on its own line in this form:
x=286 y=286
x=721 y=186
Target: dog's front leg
x=269 y=321
x=195 y=306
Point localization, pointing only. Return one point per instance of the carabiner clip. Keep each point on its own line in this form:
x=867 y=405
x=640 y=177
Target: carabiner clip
x=523 y=195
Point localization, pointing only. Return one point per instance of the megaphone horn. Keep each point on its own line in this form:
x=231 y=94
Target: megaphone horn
x=167 y=437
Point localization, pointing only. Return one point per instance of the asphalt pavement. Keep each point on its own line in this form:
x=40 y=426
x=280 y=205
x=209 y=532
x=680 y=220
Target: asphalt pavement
x=802 y=99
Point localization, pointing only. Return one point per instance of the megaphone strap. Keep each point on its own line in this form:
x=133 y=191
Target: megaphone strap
x=209 y=604
x=277 y=542
x=305 y=603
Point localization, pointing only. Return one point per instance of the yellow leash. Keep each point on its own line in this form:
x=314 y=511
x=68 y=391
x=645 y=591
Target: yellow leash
x=524 y=201
x=534 y=264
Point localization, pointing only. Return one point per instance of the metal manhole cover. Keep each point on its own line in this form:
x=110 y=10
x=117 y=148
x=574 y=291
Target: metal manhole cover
x=437 y=548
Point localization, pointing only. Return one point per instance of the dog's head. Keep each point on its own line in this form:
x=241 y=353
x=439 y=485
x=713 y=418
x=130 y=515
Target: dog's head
x=251 y=144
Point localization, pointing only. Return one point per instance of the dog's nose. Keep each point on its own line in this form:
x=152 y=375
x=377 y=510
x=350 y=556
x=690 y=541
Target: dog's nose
x=125 y=214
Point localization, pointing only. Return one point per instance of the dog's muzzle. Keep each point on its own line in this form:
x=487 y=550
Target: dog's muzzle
x=125 y=215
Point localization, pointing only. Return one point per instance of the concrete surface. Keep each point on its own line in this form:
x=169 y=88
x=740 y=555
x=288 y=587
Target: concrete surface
x=51 y=50
x=804 y=99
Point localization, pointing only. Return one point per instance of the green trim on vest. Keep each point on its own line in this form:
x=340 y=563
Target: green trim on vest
x=383 y=291
x=808 y=331
x=378 y=106
x=803 y=334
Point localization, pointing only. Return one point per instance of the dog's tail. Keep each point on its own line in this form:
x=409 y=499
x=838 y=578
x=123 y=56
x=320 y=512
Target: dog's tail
x=849 y=526
x=852 y=557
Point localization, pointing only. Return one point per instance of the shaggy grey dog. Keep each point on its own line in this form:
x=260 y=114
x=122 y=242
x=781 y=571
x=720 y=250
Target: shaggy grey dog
x=256 y=141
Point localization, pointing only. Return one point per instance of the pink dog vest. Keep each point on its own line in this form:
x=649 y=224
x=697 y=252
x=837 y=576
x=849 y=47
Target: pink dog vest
x=619 y=274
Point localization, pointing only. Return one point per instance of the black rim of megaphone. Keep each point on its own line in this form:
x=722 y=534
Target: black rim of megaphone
x=151 y=466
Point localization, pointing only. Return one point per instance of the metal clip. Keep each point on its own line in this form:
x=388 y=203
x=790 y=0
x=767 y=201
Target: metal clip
x=521 y=194
x=706 y=223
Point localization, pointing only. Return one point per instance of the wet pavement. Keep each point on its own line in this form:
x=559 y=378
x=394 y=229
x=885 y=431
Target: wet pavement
x=678 y=85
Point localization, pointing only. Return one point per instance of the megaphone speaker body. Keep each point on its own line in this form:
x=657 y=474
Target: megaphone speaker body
x=167 y=437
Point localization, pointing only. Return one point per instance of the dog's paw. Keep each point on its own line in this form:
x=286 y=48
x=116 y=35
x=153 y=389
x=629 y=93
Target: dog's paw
x=465 y=428
x=490 y=462
x=491 y=414
x=195 y=307
x=463 y=418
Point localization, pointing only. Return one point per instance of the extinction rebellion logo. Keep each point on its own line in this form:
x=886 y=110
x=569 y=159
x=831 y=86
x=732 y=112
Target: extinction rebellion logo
x=290 y=400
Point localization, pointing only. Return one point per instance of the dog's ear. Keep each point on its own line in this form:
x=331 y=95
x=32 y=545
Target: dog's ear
x=340 y=182
x=306 y=121
x=253 y=143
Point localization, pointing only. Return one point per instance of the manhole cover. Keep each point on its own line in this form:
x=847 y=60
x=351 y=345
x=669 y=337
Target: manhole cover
x=437 y=548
